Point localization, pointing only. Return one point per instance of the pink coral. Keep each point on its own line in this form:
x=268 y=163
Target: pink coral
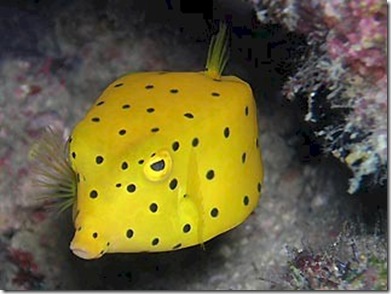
x=348 y=57
x=359 y=40
x=27 y=275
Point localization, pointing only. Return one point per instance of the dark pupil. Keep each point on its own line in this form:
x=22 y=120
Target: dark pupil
x=158 y=166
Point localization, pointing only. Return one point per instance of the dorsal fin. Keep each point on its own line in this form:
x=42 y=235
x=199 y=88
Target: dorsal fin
x=218 y=53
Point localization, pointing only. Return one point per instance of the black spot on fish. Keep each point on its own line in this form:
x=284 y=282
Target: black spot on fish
x=174 y=91
x=124 y=165
x=226 y=132
x=100 y=103
x=214 y=212
x=244 y=157
x=118 y=185
x=149 y=87
x=125 y=106
x=195 y=142
x=210 y=174
x=122 y=132
x=173 y=184
x=99 y=159
x=246 y=200
x=73 y=155
x=259 y=187
x=175 y=146
x=153 y=207
x=215 y=94
x=186 y=228
x=177 y=246
x=155 y=130
x=95 y=235
x=189 y=115
x=150 y=110
x=93 y=194
x=141 y=161
x=118 y=85
x=155 y=241
x=246 y=110
x=129 y=233
x=131 y=188
x=95 y=119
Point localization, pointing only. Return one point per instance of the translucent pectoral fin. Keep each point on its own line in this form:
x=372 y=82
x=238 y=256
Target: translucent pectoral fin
x=192 y=202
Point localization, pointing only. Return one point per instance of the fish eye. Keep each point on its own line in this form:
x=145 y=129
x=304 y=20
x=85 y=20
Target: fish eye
x=158 y=167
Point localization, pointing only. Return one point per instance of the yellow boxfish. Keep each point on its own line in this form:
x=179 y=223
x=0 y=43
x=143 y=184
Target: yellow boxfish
x=164 y=160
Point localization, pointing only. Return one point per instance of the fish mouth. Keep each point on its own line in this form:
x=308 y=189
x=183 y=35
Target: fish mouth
x=83 y=252
x=86 y=250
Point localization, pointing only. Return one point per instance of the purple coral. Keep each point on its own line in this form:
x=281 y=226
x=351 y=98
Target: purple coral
x=360 y=38
x=351 y=262
x=347 y=58
x=27 y=275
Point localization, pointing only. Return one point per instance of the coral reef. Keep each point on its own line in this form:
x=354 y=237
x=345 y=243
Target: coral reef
x=350 y=263
x=342 y=75
x=27 y=275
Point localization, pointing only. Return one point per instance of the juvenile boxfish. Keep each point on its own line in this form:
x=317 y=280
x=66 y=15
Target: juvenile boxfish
x=164 y=160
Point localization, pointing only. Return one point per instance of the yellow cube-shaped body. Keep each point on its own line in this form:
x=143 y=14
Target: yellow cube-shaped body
x=164 y=160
